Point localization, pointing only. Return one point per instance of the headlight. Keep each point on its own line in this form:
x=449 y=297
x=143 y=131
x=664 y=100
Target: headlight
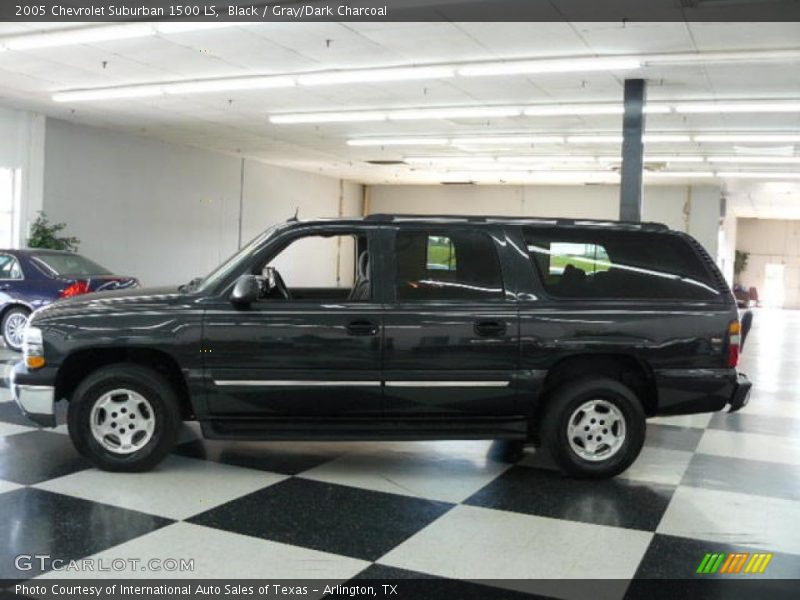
x=33 y=348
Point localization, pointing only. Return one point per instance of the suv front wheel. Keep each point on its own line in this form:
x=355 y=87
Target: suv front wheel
x=593 y=428
x=124 y=417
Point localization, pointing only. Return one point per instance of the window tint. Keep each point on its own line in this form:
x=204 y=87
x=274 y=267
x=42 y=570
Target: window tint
x=453 y=266
x=618 y=264
x=9 y=267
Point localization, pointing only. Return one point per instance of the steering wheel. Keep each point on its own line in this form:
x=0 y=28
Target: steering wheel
x=275 y=282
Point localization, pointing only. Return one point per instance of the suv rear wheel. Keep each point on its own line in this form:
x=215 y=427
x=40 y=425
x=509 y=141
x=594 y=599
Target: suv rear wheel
x=593 y=428
x=124 y=418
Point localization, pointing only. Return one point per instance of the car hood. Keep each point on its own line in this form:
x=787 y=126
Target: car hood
x=112 y=301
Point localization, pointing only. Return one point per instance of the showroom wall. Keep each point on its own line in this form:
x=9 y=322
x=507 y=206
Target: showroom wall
x=166 y=213
x=771 y=242
x=22 y=142
x=694 y=209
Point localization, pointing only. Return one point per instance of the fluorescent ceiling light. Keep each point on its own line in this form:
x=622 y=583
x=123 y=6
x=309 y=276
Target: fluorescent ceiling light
x=755 y=159
x=398 y=142
x=329 y=117
x=758 y=175
x=594 y=139
x=496 y=140
x=756 y=138
x=448 y=160
x=467 y=112
x=573 y=109
x=185 y=26
x=223 y=85
x=559 y=65
x=141 y=91
x=81 y=35
x=736 y=56
x=679 y=174
x=657 y=158
x=737 y=107
x=548 y=159
x=376 y=75
x=536 y=176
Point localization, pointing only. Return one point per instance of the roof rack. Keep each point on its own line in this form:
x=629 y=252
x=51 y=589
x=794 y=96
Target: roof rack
x=558 y=222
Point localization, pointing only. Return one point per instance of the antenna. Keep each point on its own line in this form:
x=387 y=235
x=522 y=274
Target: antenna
x=295 y=217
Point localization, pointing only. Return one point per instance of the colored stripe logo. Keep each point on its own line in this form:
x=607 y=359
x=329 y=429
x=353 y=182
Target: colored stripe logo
x=734 y=563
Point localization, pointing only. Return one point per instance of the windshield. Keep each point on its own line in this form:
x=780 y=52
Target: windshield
x=69 y=264
x=222 y=271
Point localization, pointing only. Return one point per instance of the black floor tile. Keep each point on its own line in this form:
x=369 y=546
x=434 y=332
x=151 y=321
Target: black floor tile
x=413 y=586
x=37 y=456
x=11 y=413
x=550 y=494
x=677 y=559
x=744 y=476
x=38 y=522
x=744 y=423
x=332 y=518
x=278 y=457
x=672 y=437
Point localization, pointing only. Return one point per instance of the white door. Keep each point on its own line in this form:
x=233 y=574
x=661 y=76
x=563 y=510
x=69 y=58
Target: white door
x=774 y=285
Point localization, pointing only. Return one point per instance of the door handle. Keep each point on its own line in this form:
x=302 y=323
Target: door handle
x=5 y=286
x=362 y=328
x=490 y=328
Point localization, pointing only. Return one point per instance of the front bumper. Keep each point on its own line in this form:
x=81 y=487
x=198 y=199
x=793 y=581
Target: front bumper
x=741 y=393
x=37 y=402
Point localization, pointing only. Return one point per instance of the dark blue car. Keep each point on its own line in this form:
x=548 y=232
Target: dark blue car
x=30 y=279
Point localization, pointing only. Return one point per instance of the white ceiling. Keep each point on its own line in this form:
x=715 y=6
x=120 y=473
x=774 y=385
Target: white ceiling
x=238 y=121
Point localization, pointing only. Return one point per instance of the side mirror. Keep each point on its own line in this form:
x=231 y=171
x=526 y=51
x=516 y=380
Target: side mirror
x=245 y=291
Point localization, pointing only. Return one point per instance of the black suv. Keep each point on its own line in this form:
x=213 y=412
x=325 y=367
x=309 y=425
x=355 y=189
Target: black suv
x=558 y=332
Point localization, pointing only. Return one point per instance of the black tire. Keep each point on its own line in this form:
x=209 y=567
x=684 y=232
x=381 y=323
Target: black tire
x=12 y=344
x=142 y=380
x=566 y=400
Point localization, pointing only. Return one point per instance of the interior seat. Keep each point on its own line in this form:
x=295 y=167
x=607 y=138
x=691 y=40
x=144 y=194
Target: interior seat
x=361 y=287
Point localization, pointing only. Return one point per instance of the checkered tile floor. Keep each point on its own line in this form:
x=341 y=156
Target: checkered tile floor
x=461 y=510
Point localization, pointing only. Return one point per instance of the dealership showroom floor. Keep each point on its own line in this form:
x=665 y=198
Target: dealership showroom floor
x=464 y=510
x=164 y=147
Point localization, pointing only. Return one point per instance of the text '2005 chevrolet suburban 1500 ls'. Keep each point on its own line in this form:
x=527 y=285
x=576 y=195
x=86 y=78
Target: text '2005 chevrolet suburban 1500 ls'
x=563 y=333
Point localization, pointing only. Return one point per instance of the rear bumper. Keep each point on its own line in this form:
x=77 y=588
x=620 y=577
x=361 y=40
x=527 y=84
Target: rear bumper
x=741 y=394
x=689 y=391
x=37 y=402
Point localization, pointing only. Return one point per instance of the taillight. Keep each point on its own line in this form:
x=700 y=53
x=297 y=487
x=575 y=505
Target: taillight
x=733 y=343
x=75 y=289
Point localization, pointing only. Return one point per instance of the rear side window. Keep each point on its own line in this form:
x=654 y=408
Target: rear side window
x=575 y=263
x=456 y=265
x=69 y=264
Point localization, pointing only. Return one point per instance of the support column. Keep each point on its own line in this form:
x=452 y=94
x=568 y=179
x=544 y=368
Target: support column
x=630 y=195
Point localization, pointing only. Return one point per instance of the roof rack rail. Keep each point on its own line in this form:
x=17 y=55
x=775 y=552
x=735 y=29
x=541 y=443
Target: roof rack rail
x=559 y=222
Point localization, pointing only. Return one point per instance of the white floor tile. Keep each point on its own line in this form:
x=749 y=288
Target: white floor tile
x=11 y=428
x=7 y=486
x=727 y=517
x=422 y=470
x=769 y=407
x=659 y=465
x=700 y=420
x=478 y=543
x=221 y=555
x=754 y=446
x=178 y=488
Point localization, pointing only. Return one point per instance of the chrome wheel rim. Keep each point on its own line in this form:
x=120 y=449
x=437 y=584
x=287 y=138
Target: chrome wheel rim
x=596 y=430
x=122 y=421
x=15 y=326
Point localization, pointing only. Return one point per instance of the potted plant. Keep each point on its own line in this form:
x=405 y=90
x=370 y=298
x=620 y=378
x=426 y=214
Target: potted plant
x=44 y=234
